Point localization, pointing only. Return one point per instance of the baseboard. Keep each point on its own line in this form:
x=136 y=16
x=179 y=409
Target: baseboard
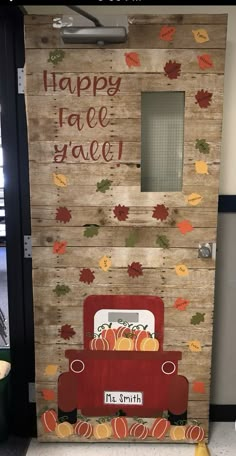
x=222 y=412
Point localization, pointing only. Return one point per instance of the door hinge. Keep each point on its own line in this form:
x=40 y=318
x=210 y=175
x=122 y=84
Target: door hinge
x=27 y=247
x=20 y=79
x=31 y=390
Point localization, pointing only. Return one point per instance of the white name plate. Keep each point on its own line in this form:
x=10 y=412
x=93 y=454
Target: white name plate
x=123 y=397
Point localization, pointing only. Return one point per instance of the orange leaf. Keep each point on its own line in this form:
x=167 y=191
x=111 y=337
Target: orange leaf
x=205 y=61
x=59 y=247
x=185 y=226
x=181 y=304
x=198 y=387
x=167 y=32
x=48 y=395
x=132 y=59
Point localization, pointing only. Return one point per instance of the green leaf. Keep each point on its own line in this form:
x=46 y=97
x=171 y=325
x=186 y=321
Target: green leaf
x=103 y=185
x=163 y=241
x=197 y=318
x=132 y=239
x=91 y=230
x=61 y=290
x=56 y=56
x=202 y=146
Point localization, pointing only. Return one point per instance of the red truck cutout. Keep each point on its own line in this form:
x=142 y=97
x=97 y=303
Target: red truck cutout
x=105 y=382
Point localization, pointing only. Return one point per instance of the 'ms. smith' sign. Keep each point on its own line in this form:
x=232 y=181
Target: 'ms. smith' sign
x=91 y=118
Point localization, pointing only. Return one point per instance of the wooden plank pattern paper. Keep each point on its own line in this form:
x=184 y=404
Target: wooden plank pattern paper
x=123 y=303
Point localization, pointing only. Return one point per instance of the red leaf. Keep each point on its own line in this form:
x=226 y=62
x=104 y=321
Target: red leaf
x=172 y=69
x=135 y=269
x=181 y=304
x=132 y=59
x=59 y=247
x=66 y=332
x=198 y=387
x=86 y=275
x=160 y=212
x=167 y=32
x=121 y=212
x=203 y=98
x=63 y=215
x=185 y=226
x=48 y=394
x=205 y=61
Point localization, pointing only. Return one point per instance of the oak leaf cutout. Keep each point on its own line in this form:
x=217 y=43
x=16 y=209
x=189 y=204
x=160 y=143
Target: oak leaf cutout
x=86 y=276
x=203 y=98
x=202 y=146
x=121 y=212
x=132 y=59
x=60 y=180
x=66 y=332
x=91 y=230
x=172 y=69
x=185 y=226
x=56 y=56
x=163 y=241
x=135 y=269
x=181 y=303
x=103 y=185
x=197 y=318
x=63 y=215
x=198 y=387
x=61 y=290
x=167 y=33
x=160 y=212
x=205 y=61
x=48 y=394
x=132 y=239
x=59 y=247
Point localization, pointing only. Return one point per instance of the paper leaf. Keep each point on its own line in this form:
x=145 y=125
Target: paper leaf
x=132 y=239
x=132 y=59
x=48 y=394
x=203 y=98
x=160 y=212
x=121 y=212
x=135 y=269
x=61 y=290
x=200 y=35
x=201 y=167
x=181 y=270
x=197 y=318
x=51 y=370
x=66 y=332
x=202 y=146
x=198 y=387
x=91 y=230
x=103 y=185
x=163 y=241
x=185 y=226
x=195 y=346
x=205 y=61
x=181 y=304
x=167 y=33
x=86 y=276
x=194 y=199
x=59 y=180
x=172 y=69
x=56 y=56
x=105 y=263
x=63 y=215
x=59 y=247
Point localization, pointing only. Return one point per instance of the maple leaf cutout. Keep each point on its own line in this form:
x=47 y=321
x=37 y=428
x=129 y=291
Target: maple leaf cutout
x=185 y=226
x=160 y=212
x=48 y=395
x=181 y=304
x=203 y=98
x=132 y=59
x=63 y=215
x=172 y=69
x=135 y=269
x=66 y=332
x=121 y=212
x=86 y=275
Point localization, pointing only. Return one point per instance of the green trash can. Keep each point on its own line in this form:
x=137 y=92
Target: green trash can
x=5 y=372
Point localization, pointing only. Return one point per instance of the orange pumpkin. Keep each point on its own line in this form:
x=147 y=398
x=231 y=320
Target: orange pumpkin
x=149 y=344
x=139 y=336
x=110 y=336
x=124 y=343
x=139 y=431
x=99 y=344
x=102 y=431
x=195 y=433
x=49 y=420
x=123 y=331
x=160 y=428
x=83 y=428
x=120 y=427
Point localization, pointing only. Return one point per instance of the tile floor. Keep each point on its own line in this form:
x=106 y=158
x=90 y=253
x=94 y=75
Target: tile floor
x=222 y=443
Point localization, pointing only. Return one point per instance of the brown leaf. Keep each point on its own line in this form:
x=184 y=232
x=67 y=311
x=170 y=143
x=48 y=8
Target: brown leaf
x=172 y=69
x=160 y=212
x=135 y=269
x=66 y=332
x=86 y=275
x=63 y=215
x=121 y=212
x=203 y=98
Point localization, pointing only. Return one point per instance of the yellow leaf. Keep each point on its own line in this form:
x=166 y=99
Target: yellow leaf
x=181 y=270
x=105 y=263
x=60 y=180
x=194 y=199
x=200 y=35
x=51 y=369
x=201 y=167
x=194 y=346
